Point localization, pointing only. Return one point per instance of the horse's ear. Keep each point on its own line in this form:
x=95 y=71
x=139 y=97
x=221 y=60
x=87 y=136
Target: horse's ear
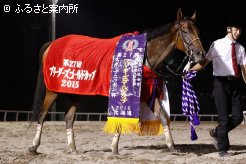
x=179 y=15
x=193 y=18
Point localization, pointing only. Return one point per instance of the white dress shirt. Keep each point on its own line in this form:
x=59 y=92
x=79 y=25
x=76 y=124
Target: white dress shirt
x=220 y=55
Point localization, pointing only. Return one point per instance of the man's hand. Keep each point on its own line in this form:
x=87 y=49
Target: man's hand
x=199 y=66
x=243 y=70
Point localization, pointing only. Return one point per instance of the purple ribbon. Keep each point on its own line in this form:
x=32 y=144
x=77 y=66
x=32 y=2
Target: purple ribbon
x=190 y=105
x=126 y=77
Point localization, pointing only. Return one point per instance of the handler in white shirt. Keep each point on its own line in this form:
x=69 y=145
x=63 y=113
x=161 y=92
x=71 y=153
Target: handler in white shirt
x=225 y=92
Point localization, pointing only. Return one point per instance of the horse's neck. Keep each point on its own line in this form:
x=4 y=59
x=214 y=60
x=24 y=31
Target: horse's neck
x=158 y=50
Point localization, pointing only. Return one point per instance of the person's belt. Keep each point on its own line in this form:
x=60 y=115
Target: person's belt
x=227 y=77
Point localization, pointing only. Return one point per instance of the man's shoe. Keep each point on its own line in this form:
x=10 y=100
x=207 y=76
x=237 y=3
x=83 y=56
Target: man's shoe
x=224 y=153
x=212 y=134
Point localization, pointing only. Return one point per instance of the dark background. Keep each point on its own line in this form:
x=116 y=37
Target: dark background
x=23 y=34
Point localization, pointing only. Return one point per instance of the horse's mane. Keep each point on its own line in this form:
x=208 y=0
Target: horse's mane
x=164 y=29
x=155 y=32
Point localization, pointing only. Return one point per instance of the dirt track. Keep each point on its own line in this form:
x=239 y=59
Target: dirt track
x=93 y=145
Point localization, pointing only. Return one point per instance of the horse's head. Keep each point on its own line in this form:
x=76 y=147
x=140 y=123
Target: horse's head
x=187 y=38
x=181 y=34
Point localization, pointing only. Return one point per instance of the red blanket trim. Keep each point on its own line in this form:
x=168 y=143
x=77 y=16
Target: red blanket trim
x=148 y=81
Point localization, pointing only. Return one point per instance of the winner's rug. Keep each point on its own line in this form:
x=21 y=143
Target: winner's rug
x=80 y=65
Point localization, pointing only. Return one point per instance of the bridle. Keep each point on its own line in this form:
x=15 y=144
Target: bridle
x=190 y=49
x=187 y=41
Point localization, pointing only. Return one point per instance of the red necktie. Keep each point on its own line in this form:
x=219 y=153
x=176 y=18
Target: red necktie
x=234 y=60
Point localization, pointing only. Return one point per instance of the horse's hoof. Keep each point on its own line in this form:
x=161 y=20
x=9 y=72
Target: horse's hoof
x=116 y=153
x=32 y=151
x=75 y=152
x=172 y=149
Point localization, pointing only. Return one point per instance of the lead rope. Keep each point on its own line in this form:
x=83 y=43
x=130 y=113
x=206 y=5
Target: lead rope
x=190 y=105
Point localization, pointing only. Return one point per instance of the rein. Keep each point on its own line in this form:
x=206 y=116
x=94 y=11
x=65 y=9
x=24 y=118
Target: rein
x=151 y=67
x=177 y=70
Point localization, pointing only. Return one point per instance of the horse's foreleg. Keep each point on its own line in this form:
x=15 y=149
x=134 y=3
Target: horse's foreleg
x=169 y=138
x=165 y=120
x=50 y=97
x=115 y=143
x=69 y=119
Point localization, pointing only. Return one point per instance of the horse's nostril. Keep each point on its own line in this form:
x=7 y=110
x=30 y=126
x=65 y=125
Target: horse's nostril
x=201 y=54
x=204 y=55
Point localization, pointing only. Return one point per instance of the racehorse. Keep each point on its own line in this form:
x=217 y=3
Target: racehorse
x=181 y=34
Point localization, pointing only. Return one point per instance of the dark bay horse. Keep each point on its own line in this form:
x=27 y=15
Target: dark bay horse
x=180 y=34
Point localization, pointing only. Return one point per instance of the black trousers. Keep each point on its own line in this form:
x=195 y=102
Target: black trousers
x=229 y=109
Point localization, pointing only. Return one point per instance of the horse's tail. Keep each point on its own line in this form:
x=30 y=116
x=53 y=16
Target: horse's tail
x=40 y=90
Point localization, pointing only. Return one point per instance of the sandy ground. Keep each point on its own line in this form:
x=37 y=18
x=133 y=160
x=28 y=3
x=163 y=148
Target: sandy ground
x=93 y=145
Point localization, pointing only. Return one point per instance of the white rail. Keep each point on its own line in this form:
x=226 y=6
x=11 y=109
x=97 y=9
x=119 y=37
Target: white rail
x=10 y=115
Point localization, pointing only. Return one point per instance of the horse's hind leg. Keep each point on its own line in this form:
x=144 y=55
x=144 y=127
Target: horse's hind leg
x=159 y=111
x=115 y=143
x=50 y=97
x=69 y=119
